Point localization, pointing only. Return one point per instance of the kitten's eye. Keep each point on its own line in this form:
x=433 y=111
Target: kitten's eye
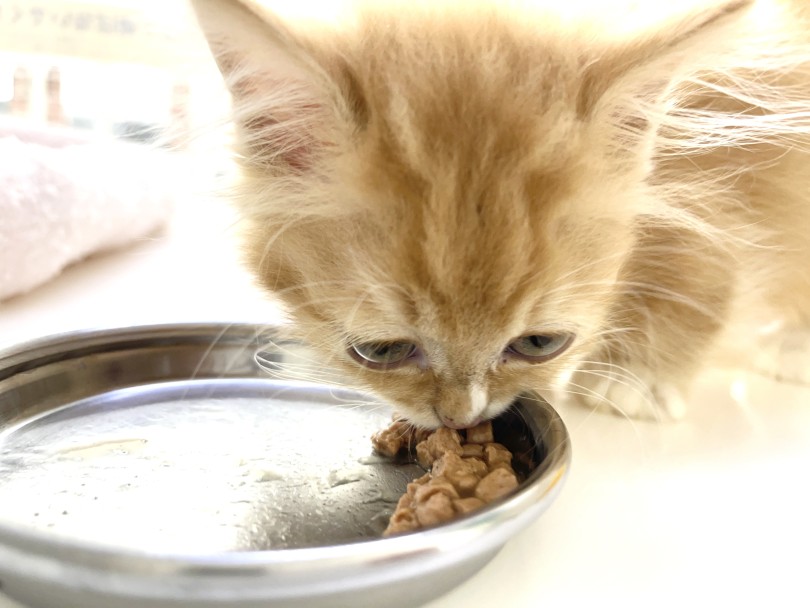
x=383 y=355
x=539 y=348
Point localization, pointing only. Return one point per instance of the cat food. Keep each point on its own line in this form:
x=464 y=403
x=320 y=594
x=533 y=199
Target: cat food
x=468 y=470
x=400 y=435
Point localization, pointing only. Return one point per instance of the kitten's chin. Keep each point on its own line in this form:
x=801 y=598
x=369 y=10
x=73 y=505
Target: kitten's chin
x=461 y=426
x=433 y=421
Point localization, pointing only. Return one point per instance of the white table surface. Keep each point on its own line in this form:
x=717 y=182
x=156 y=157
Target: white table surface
x=710 y=511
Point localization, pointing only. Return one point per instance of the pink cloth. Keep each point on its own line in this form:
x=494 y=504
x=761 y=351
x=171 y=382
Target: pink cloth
x=64 y=196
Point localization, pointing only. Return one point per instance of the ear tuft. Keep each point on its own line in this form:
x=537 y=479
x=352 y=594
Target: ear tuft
x=288 y=106
x=625 y=87
x=655 y=55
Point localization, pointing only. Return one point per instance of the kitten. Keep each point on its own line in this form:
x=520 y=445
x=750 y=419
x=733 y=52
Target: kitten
x=461 y=202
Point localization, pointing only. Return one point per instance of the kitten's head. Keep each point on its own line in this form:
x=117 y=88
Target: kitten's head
x=443 y=199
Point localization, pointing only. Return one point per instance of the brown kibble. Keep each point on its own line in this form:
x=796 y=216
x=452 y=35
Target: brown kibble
x=444 y=440
x=391 y=440
x=457 y=471
x=400 y=435
x=467 y=505
x=505 y=466
x=417 y=436
x=466 y=473
x=498 y=483
x=438 y=485
x=481 y=433
x=435 y=510
x=423 y=455
x=478 y=466
x=466 y=485
x=472 y=450
x=386 y=442
x=403 y=520
x=414 y=485
x=405 y=502
x=495 y=453
x=451 y=466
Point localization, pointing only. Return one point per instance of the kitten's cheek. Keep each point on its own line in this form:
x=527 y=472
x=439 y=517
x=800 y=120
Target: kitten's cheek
x=496 y=408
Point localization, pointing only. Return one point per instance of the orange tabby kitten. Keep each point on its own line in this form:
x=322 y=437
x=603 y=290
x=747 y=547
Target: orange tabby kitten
x=463 y=201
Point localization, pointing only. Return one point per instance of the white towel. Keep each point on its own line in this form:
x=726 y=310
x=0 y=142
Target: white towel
x=64 y=196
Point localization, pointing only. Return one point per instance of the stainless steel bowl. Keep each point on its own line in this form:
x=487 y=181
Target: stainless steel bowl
x=153 y=467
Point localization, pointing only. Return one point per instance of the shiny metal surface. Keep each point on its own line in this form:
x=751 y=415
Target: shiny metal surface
x=161 y=466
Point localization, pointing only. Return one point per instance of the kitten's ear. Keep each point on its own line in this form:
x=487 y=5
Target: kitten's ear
x=289 y=104
x=624 y=86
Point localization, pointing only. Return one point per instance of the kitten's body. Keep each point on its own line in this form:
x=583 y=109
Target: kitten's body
x=457 y=178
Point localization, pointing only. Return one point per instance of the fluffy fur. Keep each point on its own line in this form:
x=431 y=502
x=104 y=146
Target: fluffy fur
x=460 y=175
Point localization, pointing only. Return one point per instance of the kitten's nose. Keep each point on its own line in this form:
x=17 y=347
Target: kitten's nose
x=461 y=405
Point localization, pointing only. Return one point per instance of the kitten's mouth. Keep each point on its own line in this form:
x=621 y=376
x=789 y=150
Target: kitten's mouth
x=458 y=427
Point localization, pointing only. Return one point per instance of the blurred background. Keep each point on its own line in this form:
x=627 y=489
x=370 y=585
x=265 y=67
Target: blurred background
x=139 y=69
x=135 y=69
x=100 y=73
